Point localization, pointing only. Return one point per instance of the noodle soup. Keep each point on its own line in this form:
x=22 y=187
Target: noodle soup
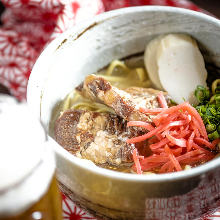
x=179 y=146
x=89 y=47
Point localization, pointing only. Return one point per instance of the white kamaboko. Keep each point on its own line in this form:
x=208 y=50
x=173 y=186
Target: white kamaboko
x=175 y=64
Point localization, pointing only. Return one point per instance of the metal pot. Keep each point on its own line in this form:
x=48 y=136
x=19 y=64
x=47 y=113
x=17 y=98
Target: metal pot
x=90 y=46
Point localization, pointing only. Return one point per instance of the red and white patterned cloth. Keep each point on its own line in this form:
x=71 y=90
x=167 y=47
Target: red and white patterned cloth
x=28 y=25
x=72 y=212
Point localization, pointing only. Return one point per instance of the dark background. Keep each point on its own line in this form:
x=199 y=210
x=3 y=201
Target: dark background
x=213 y=6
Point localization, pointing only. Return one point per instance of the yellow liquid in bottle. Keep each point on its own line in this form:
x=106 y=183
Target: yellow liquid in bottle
x=47 y=208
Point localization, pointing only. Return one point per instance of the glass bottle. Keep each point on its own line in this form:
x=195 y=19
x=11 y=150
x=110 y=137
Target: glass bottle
x=28 y=187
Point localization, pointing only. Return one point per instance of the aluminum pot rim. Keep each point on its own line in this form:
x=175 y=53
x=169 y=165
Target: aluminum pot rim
x=35 y=92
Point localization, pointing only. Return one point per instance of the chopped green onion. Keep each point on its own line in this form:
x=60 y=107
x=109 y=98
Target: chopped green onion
x=218 y=129
x=202 y=94
x=172 y=102
x=217 y=90
x=214 y=135
x=210 y=127
x=209 y=109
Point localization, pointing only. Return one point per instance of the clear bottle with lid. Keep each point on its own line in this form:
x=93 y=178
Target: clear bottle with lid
x=28 y=187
